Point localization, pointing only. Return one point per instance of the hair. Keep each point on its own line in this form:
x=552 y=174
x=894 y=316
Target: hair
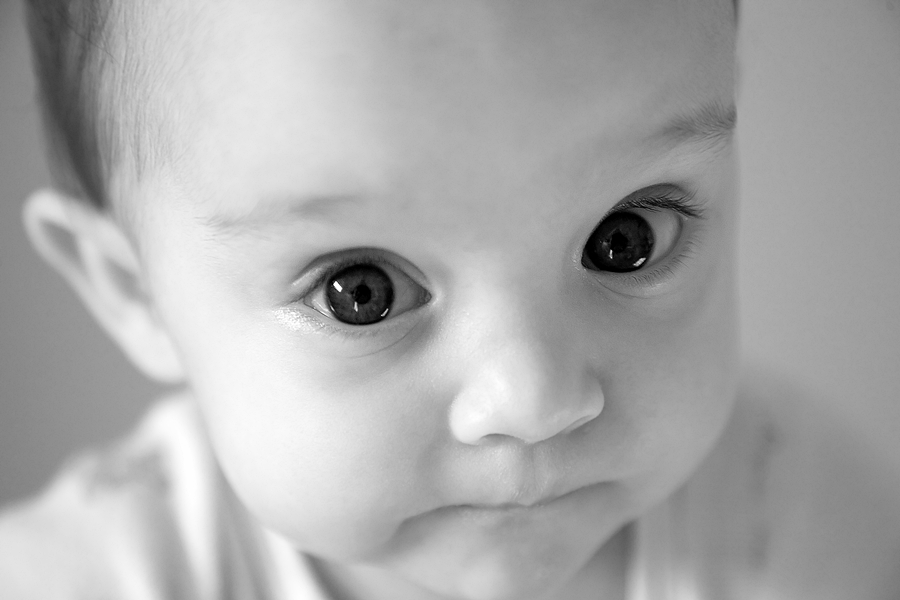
x=97 y=116
x=70 y=43
x=93 y=89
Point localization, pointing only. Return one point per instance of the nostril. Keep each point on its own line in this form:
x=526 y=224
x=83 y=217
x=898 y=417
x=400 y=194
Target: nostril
x=494 y=439
x=582 y=421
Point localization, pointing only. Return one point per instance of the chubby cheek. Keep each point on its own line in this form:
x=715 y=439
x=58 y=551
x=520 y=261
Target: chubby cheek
x=336 y=468
x=332 y=460
x=676 y=384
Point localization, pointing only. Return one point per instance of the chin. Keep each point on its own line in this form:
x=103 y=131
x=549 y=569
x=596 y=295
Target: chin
x=472 y=553
x=505 y=577
x=490 y=584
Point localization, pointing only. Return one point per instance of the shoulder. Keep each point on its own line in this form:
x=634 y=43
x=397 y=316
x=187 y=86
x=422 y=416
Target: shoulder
x=843 y=463
x=830 y=489
x=107 y=524
x=37 y=540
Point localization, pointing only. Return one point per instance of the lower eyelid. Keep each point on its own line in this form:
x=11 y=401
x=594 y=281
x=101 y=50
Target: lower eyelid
x=297 y=317
x=298 y=320
x=656 y=276
x=667 y=269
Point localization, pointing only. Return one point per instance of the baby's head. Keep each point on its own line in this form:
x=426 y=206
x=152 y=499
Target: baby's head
x=452 y=282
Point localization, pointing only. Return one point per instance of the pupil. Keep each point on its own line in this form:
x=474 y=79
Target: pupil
x=622 y=242
x=360 y=295
x=618 y=243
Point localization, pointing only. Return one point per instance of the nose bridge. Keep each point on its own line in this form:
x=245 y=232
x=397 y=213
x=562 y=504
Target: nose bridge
x=523 y=377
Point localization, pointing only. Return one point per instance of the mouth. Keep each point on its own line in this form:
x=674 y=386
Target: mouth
x=519 y=506
x=493 y=526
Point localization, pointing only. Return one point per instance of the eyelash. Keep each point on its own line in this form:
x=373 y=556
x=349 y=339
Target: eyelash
x=320 y=276
x=657 y=198
x=664 y=271
x=674 y=199
x=669 y=198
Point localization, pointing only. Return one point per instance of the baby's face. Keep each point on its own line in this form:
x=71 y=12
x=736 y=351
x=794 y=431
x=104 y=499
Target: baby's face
x=453 y=281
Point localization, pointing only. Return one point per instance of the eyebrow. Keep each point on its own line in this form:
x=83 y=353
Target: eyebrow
x=712 y=125
x=283 y=207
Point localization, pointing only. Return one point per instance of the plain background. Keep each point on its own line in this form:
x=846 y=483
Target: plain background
x=820 y=259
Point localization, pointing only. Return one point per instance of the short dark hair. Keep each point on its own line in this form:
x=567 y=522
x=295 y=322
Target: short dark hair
x=70 y=40
x=94 y=95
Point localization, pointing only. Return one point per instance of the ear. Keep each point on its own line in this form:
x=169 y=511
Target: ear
x=91 y=251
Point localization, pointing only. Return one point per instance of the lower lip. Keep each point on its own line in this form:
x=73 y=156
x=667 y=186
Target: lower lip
x=478 y=529
x=571 y=501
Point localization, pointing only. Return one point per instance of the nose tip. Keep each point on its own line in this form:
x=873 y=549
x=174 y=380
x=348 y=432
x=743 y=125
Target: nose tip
x=511 y=407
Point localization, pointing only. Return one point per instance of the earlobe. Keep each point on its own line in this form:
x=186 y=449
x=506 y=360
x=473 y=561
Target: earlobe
x=91 y=251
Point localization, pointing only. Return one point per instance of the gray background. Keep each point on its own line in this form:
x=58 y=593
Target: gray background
x=820 y=258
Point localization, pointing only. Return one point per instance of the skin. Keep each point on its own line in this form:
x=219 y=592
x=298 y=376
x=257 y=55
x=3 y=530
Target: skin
x=486 y=442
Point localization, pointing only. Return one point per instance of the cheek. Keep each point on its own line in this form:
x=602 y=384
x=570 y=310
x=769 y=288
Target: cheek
x=671 y=388
x=332 y=461
x=335 y=468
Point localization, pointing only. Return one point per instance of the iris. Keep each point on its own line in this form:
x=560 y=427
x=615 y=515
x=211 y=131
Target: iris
x=360 y=294
x=622 y=242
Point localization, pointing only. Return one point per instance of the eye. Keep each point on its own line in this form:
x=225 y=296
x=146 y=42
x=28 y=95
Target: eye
x=360 y=295
x=631 y=239
x=365 y=292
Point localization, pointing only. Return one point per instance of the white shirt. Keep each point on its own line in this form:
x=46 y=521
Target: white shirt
x=151 y=518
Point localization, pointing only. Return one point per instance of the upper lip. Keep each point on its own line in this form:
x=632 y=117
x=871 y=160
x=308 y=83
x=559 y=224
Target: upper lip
x=524 y=500
x=516 y=477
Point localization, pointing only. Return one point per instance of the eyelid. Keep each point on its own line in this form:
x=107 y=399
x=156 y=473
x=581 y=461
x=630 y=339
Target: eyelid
x=316 y=275
x=319 y=270
x=663 y=197
x=666 y=269
x=666 y=196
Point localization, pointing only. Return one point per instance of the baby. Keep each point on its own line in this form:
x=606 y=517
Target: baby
x=451 y=284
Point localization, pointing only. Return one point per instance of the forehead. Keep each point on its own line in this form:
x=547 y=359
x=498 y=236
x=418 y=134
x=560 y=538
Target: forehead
x=318 y=97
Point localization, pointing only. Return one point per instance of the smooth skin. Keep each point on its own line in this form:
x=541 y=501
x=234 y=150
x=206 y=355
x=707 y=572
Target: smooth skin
x=517 y=408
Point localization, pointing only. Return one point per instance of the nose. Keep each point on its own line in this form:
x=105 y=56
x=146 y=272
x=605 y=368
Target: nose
x=524 y=387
